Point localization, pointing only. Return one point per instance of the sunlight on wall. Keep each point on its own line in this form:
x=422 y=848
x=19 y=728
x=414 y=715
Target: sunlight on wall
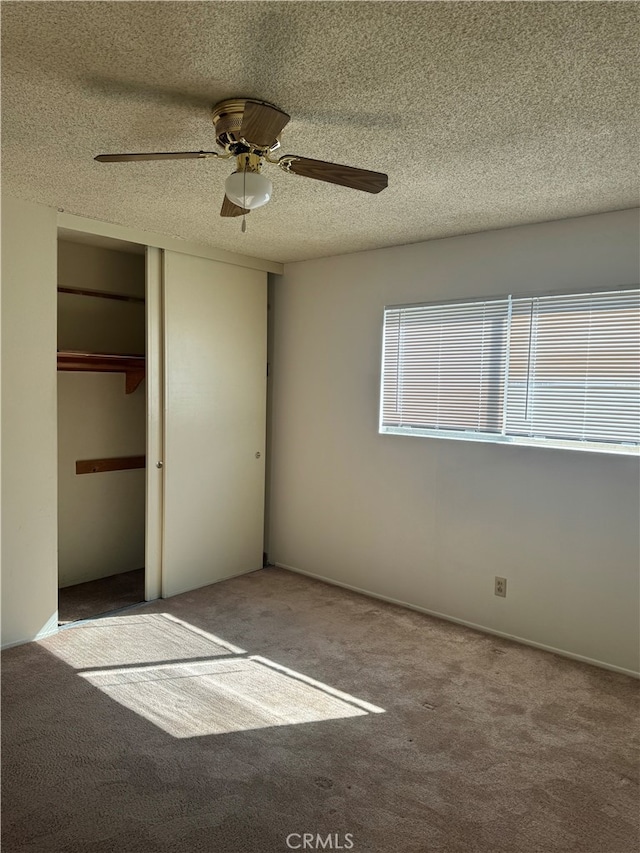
x=190 y=683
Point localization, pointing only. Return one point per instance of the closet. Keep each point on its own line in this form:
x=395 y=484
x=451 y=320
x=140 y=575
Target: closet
x=195 y=513
x=161 y=354
x=101 y=427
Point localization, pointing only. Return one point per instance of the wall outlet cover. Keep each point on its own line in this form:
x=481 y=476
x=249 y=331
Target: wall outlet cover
x=501 y=587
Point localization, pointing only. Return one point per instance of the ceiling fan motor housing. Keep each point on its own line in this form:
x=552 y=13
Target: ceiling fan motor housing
x=227 y=119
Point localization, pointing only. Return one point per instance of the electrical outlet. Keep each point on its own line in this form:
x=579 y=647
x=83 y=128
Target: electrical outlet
x=501 y=587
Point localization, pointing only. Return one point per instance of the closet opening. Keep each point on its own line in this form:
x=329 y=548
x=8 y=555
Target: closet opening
x=102 y=424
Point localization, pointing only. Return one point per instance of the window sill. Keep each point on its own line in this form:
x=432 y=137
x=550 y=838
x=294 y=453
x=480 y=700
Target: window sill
x=516 y=441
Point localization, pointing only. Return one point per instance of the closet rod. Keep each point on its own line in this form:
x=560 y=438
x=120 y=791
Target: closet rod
x=101 y=294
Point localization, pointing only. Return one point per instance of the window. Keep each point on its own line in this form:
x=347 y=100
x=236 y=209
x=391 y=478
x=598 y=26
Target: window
x=559 y=370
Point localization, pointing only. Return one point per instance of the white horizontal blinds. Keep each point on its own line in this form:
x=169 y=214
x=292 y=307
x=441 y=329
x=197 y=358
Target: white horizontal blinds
x=391 y=407
x=574 y=367
x=444 y=366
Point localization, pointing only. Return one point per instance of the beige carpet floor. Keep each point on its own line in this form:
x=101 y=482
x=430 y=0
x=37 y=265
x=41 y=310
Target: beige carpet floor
x=229 y=719
x=85 y=600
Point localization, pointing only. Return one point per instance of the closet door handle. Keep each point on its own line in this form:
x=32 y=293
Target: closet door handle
x=158 y=464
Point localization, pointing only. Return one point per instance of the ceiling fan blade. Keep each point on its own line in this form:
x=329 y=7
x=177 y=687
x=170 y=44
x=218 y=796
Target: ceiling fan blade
x=262 y=123
x=161 y=155
x=334 y=173
x=231 y=209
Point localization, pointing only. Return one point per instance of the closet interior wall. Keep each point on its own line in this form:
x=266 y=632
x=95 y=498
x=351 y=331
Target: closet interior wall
x=101 y=516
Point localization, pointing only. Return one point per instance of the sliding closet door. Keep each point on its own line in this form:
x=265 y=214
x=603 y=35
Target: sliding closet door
x=215 y=326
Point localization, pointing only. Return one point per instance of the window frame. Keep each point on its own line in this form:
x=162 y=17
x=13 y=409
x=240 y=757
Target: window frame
x=582 y=446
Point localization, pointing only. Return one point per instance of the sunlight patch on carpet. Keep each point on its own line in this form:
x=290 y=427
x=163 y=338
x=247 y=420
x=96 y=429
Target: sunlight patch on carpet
x=141 y=639
x=190 y=683
x=217 y=697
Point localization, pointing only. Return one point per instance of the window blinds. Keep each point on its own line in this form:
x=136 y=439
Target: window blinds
x=556 y=368
x=444 y=365
x=574 y=367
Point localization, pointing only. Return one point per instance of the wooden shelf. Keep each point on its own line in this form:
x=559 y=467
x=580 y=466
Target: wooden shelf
x=120 y=463
x=133 y=366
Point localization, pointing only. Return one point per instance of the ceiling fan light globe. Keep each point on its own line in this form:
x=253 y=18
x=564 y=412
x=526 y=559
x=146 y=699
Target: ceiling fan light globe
x=248 y=189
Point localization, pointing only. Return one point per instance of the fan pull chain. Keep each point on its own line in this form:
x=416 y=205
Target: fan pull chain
x=243 y=227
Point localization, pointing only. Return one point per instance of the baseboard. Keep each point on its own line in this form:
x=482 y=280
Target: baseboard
x=447 y=618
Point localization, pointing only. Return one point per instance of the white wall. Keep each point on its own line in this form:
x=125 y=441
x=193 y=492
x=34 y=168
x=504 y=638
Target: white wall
x=29 y=529
x=430 y=522
x=101 y=517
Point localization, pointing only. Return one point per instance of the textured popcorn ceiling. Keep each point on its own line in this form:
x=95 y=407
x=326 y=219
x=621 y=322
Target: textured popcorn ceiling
x=484 y=115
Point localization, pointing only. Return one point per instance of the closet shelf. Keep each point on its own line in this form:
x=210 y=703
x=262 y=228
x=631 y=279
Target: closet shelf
x=133 y=366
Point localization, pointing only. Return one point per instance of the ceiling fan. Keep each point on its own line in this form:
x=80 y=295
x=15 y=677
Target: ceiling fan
x=249 y=130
